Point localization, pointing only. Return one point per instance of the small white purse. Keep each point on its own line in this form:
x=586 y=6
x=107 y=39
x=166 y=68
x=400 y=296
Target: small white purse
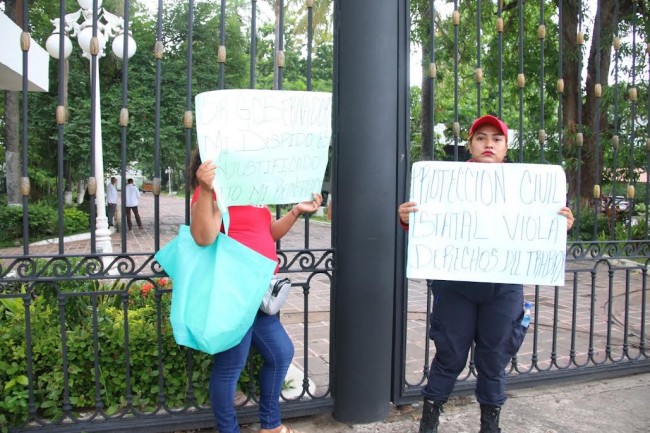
x=275 y=295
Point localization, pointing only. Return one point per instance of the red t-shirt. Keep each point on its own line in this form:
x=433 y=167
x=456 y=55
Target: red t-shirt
x=250 y=225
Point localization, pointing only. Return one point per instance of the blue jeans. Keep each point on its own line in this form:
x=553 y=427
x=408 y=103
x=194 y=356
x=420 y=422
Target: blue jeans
x=269 y=337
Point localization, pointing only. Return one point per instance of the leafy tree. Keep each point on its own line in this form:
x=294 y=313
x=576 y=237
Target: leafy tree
x=596 y=116
x=458 y=97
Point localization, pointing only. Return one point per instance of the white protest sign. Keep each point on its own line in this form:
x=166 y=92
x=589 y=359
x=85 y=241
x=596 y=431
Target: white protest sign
x=487 y=223
x=270 y=146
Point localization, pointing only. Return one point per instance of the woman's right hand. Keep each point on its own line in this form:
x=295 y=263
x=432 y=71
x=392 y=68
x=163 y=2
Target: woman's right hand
x=205 y=175
x=405 y=209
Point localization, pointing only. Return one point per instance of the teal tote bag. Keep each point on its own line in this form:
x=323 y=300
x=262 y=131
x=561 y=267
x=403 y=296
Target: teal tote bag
x=217 y=289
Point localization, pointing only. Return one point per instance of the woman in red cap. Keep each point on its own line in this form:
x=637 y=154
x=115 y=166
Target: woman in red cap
x=488 y=314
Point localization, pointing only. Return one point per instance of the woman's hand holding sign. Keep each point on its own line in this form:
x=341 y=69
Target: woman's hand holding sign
x=205 y=175
x=405 y=209
x=566 y=212
x=309 y=206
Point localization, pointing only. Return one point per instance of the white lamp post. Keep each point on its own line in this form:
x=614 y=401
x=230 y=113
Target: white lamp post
x=79 y=25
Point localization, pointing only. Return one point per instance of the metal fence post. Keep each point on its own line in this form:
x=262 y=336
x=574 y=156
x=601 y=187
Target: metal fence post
x=370 y=134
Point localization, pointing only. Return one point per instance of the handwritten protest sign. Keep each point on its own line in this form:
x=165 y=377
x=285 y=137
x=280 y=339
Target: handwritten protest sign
x=270 y=146
x=487 y=222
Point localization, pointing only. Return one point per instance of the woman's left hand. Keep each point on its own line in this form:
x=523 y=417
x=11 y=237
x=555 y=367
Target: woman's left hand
x=310 y=206
x=566 y=212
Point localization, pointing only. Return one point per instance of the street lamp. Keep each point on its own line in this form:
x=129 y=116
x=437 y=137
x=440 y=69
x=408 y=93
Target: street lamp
x=79 y=25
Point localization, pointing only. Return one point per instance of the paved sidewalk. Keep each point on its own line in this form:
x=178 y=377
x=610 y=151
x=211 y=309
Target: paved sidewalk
x=617 y=405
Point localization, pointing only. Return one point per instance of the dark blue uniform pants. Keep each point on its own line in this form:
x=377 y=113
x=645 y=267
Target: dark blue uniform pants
x=488 y=314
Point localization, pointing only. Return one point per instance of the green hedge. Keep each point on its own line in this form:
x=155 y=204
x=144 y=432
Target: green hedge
x=43 y=222
x=142 y=306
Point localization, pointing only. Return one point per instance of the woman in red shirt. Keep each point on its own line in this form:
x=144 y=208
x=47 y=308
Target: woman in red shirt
x=254 y=227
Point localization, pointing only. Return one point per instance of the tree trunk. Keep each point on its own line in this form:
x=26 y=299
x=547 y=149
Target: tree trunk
x=601 y=39
x=571 y=77
x=597 y=119
x=12 y=153
x=13 y=9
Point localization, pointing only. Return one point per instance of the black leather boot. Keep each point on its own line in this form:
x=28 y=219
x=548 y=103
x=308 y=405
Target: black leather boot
x=430 y=414
x=490 y=419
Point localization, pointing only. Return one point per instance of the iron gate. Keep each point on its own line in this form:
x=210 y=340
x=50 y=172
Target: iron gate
x=87 y=325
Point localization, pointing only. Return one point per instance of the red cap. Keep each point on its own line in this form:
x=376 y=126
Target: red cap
x=489 y=120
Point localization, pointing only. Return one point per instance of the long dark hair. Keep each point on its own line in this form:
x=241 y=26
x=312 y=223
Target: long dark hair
x=195 y=162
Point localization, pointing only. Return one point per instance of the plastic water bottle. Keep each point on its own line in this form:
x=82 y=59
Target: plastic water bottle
x=525 y=321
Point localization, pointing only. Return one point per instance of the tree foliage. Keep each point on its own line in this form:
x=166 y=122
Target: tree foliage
x=536 y=108
x=517 y=51
x=140 y=139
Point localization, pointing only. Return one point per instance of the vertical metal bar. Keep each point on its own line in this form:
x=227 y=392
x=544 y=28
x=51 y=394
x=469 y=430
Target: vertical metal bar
x=579 y=128
x=432 y=79
x=500 y=56
x=560 y=89
x=644 y=298
x=305 y=337
x=188 y=106
x=398 y=379
x=310 y=41
x=156 y=139
x=615 y=138
x=592 y=324
x=632 y=178
x=647 y=166
x=478 y=58
x=159 y=331
x=253 y=59
x=626 y=320
x=279 y=66
x=222 y=41
x=99 y=405
x=542 y=40
x=66 y=405
x=127 y=354
x=596 y=132
x=555 y=328
x=24 y=129
x=520 y=131
x=456 y=119
x=610 y=314
x=158 y=55
x=29 y=355
x=427 y=344
x=280 y=43
x=124 y=128
x=534 y=357
x=574 y=313
x=94 y=105
x=60 y=127
x=188 y=139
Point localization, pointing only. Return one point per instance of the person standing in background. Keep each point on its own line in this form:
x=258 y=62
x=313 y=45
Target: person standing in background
x=132 y=199
x=111 y=201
